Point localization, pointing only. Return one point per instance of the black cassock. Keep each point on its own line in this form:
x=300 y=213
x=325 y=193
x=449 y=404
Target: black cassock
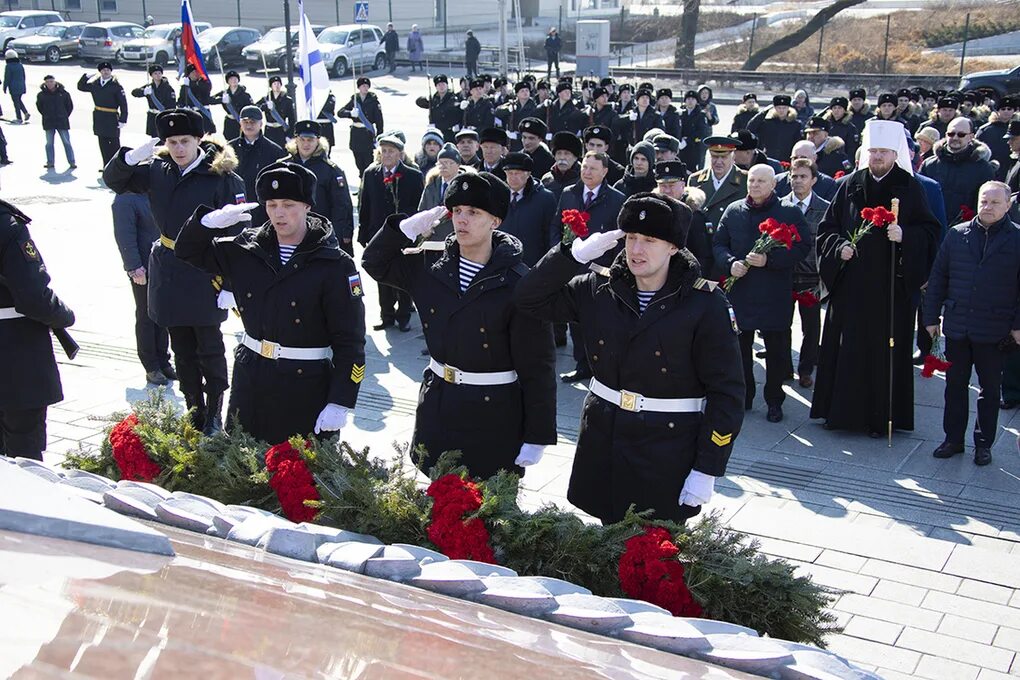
x=852 y=385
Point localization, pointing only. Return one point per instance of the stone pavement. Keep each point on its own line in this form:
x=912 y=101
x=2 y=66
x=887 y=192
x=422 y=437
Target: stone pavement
x=927 y=552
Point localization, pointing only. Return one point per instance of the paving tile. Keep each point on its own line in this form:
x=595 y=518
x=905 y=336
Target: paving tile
x=902 y=573
x=841 y=560
x=955 y=649
x=1015 y=600
x=987 y=674
x=983 y=611
x=873 y=629
x=894 y=612
x=887 y=674
x=899 y=592
x=985 y=565
x=1007 y=638
x=987 y=592
x=938 y=668
x=837 y=579
x=969 y=629
x=874 y=653
x=788 y=550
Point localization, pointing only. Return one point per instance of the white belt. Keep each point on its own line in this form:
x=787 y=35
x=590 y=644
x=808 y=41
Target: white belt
x=632 y=401
x=271 y=350
x=9 y=313
x=459 y=377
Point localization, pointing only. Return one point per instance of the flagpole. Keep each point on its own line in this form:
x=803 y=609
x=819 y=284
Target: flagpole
x=290 y=51
x=892 y=315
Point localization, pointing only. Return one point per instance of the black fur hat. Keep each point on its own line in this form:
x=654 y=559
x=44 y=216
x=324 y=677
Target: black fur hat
x=481 y=190
x=657 y=216
x=286 y=180
x=176 y=122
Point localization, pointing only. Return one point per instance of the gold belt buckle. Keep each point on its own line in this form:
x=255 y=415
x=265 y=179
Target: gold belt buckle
x=450 y=374
x=628 y=401
x=268 y=349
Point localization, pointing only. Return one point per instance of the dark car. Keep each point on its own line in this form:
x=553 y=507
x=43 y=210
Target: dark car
x=52 y=43
x=1002 y=82
x=271 y=50
x=226 y=43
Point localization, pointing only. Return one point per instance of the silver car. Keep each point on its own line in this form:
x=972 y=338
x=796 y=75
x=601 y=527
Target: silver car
x=159 y=44
x=102 y=41
x=352 y=46
x=52 y=43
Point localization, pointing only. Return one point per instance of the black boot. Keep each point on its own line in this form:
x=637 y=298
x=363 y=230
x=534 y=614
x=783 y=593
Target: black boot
x=196 y=404
x=214 y=417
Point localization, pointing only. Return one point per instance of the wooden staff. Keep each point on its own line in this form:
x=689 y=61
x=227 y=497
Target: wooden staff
x=892 y=316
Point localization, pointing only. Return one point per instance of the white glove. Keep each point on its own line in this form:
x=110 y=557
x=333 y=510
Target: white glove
x=456 y=128
x=141 y=153
x=633 y=115
x=697 y=489
x=332 y=418
x=225 y=300
x=683 y=144
x=530 y=454
x=548 y=137
x=496 y=122
x=464 y=105
x=225 y=98
x=228 y=216
x=186 y=82
x=357 y=112
x=421 y=223
x=595 y=245
x=147 y=90
x=270 y=105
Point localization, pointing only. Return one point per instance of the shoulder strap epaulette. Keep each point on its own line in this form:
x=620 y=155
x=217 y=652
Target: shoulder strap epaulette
x=599 y=269
x=520 y=269
x=425 y=246
x=705 y=285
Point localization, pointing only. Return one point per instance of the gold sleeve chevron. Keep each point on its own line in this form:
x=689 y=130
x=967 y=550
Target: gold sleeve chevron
x=721 y=439
x=357 y=373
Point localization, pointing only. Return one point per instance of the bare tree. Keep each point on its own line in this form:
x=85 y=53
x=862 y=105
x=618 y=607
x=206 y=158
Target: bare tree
x=684 y=56
x=797 y=37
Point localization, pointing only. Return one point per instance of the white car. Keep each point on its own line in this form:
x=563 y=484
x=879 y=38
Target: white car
x=352 y=45
x=18 y=24
x=157 y=44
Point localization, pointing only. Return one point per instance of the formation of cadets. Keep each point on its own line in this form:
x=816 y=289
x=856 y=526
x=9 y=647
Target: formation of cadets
x=468 y=230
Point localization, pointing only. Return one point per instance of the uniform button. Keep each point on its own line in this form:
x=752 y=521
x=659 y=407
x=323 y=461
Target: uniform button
x=293 y=303
x=297 y=320
x=486 y=399
x=658 y=353
x=295 y=265
x=485 y=345
x=481 y=330
x=672 y=425
x=425 y=325
x=240 y=309
x=662 y=306
x=301 y=370
x=594 y=357
x=432 y=310
x=602 y=342
x=249 y=296
x=663 y=370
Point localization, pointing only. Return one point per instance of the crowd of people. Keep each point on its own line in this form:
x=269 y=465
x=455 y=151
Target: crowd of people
x=533 y=215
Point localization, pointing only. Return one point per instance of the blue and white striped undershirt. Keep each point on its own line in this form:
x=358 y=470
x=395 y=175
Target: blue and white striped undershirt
x=644 y=297
x=286 y=252
x=468 y=271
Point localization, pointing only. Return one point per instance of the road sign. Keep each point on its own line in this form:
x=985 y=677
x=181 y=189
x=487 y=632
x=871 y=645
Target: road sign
x=361 y=12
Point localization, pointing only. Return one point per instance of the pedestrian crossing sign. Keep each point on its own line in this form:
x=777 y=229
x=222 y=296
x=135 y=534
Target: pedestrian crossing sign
x=361 y=12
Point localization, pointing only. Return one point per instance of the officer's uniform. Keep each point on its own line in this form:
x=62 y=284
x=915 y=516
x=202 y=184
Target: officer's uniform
x=181 y=297
x=278 y=112
x=29 y=381
x=158 y=97
x=512 y=114
x=235 y=101
x=479 y=115
x=541 y=157
x=326 y=119
x=363 y=137
x=304 y=320
x=682 y=349
x=444 y=111
x=110 y=111
x=197 y=96
x=332 y=194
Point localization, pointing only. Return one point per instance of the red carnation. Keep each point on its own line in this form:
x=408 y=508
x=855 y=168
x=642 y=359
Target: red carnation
x=806 y=298
x=129 y=452
x=457 y=538
x=966 y=213
x=576 y=221
x=839 y=173
x=650 y=570
x=785 y=165
x=773 y=234
x=292 y=481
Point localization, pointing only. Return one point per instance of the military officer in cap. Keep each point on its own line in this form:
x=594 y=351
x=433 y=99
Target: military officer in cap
x=479 y=110
x=196 y=94
x=366 y=116
x=777 y=128
x=254 y=152
x=327 y=119
x=278 y=111
x=28 y=310
x=598 y=138
x=664 y=405
x=512 y=114
x=841 y=125
x=667 y=147
x=158 y=94
x=993 y=133
x=234 y=98
x=830 y=151
x=332 y=195
x=694 y=128
x=489 y=390
x=748 y=152
x=945 y=111
x=493 y=142
x=671 y=180
x=444 y=110
x=722 y=182
x=601 y=112
x=111 y=110
x=887 y=110
x=567 y=152
x=188 y=171
x=301 y=359
x=747 y=110
x=561 y=114
x=860 y=109
x=533 y=135
x=531 y=211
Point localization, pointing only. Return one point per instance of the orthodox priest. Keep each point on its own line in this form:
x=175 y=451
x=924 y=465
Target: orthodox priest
x=852 y=387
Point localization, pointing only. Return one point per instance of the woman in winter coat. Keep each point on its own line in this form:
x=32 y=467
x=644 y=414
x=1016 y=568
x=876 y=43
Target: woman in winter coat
x=706 y=104
x=415 y=48
x=638 y=177
x=490 y=388
x=802 y=105
x=14 y=83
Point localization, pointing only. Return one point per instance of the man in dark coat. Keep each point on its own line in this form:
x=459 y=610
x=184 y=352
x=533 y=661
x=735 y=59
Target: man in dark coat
x=387 y=188
x=327 y=119
x=479 y=110
x=841 y=125
x=111 y=110
x=472 y=48
x=186 y=173
x=302 y=357
x=961 y=164
x=511 y=114
x=830 y=151
x=533 y=135
x=28 y=310
x=332 y=194
x=598 y=138
x=233 y=98
x=158 y=94
x=993 y=133
x=196 y=94
x=694 y=129
x=852 y=383
x=860 y=109
x=489 y=390
x=778 y=128
x=444 y=110
x=722 y=182
x=562 y=115
x=748 y=152
x=671 y=180
x=976 y=277
x=602 y=112
x=567 y=150
x=664 y=407
x=747 y=110
x=391 y=43
x=763 y=288
x=366 y=123
x=553 y=45
x=278 y=111
x=593 y=195
x=531 y=211
x=55 y=106
x=1013 y=139
x=254 y=152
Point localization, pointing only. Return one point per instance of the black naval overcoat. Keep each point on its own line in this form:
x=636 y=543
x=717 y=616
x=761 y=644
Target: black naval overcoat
x=163 y=94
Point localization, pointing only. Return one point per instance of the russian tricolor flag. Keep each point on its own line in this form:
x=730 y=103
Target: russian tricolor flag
x=192 y=52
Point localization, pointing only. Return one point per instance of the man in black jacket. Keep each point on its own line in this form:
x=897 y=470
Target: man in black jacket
x=332 y=194
x=479 y=110
x=444 y=112
x=391 y=43
x=389 y=187
x=561 y=115
x=830 y=151
x=777 y=128
x=302 y=356
x=196 y=94
x=55 y=106
x=278 y=110
x=234 y=98
x=472 y=48
x=158 y=94
x=961 y=165
x=111 y=110
x=510 y=115
x=567 y=150
x=598 y=138
x=254 y=152
x=533 y=135
x=532 y=206
x=366 y=117
x=28 y=310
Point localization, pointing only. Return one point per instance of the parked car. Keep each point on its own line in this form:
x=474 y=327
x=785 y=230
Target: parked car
x=52 y=43
x=159 y=44
x=226 y=43
x=21 y=23
x=102 y=41
x=1001 y=83
x=272 y=48
x=352 y=45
